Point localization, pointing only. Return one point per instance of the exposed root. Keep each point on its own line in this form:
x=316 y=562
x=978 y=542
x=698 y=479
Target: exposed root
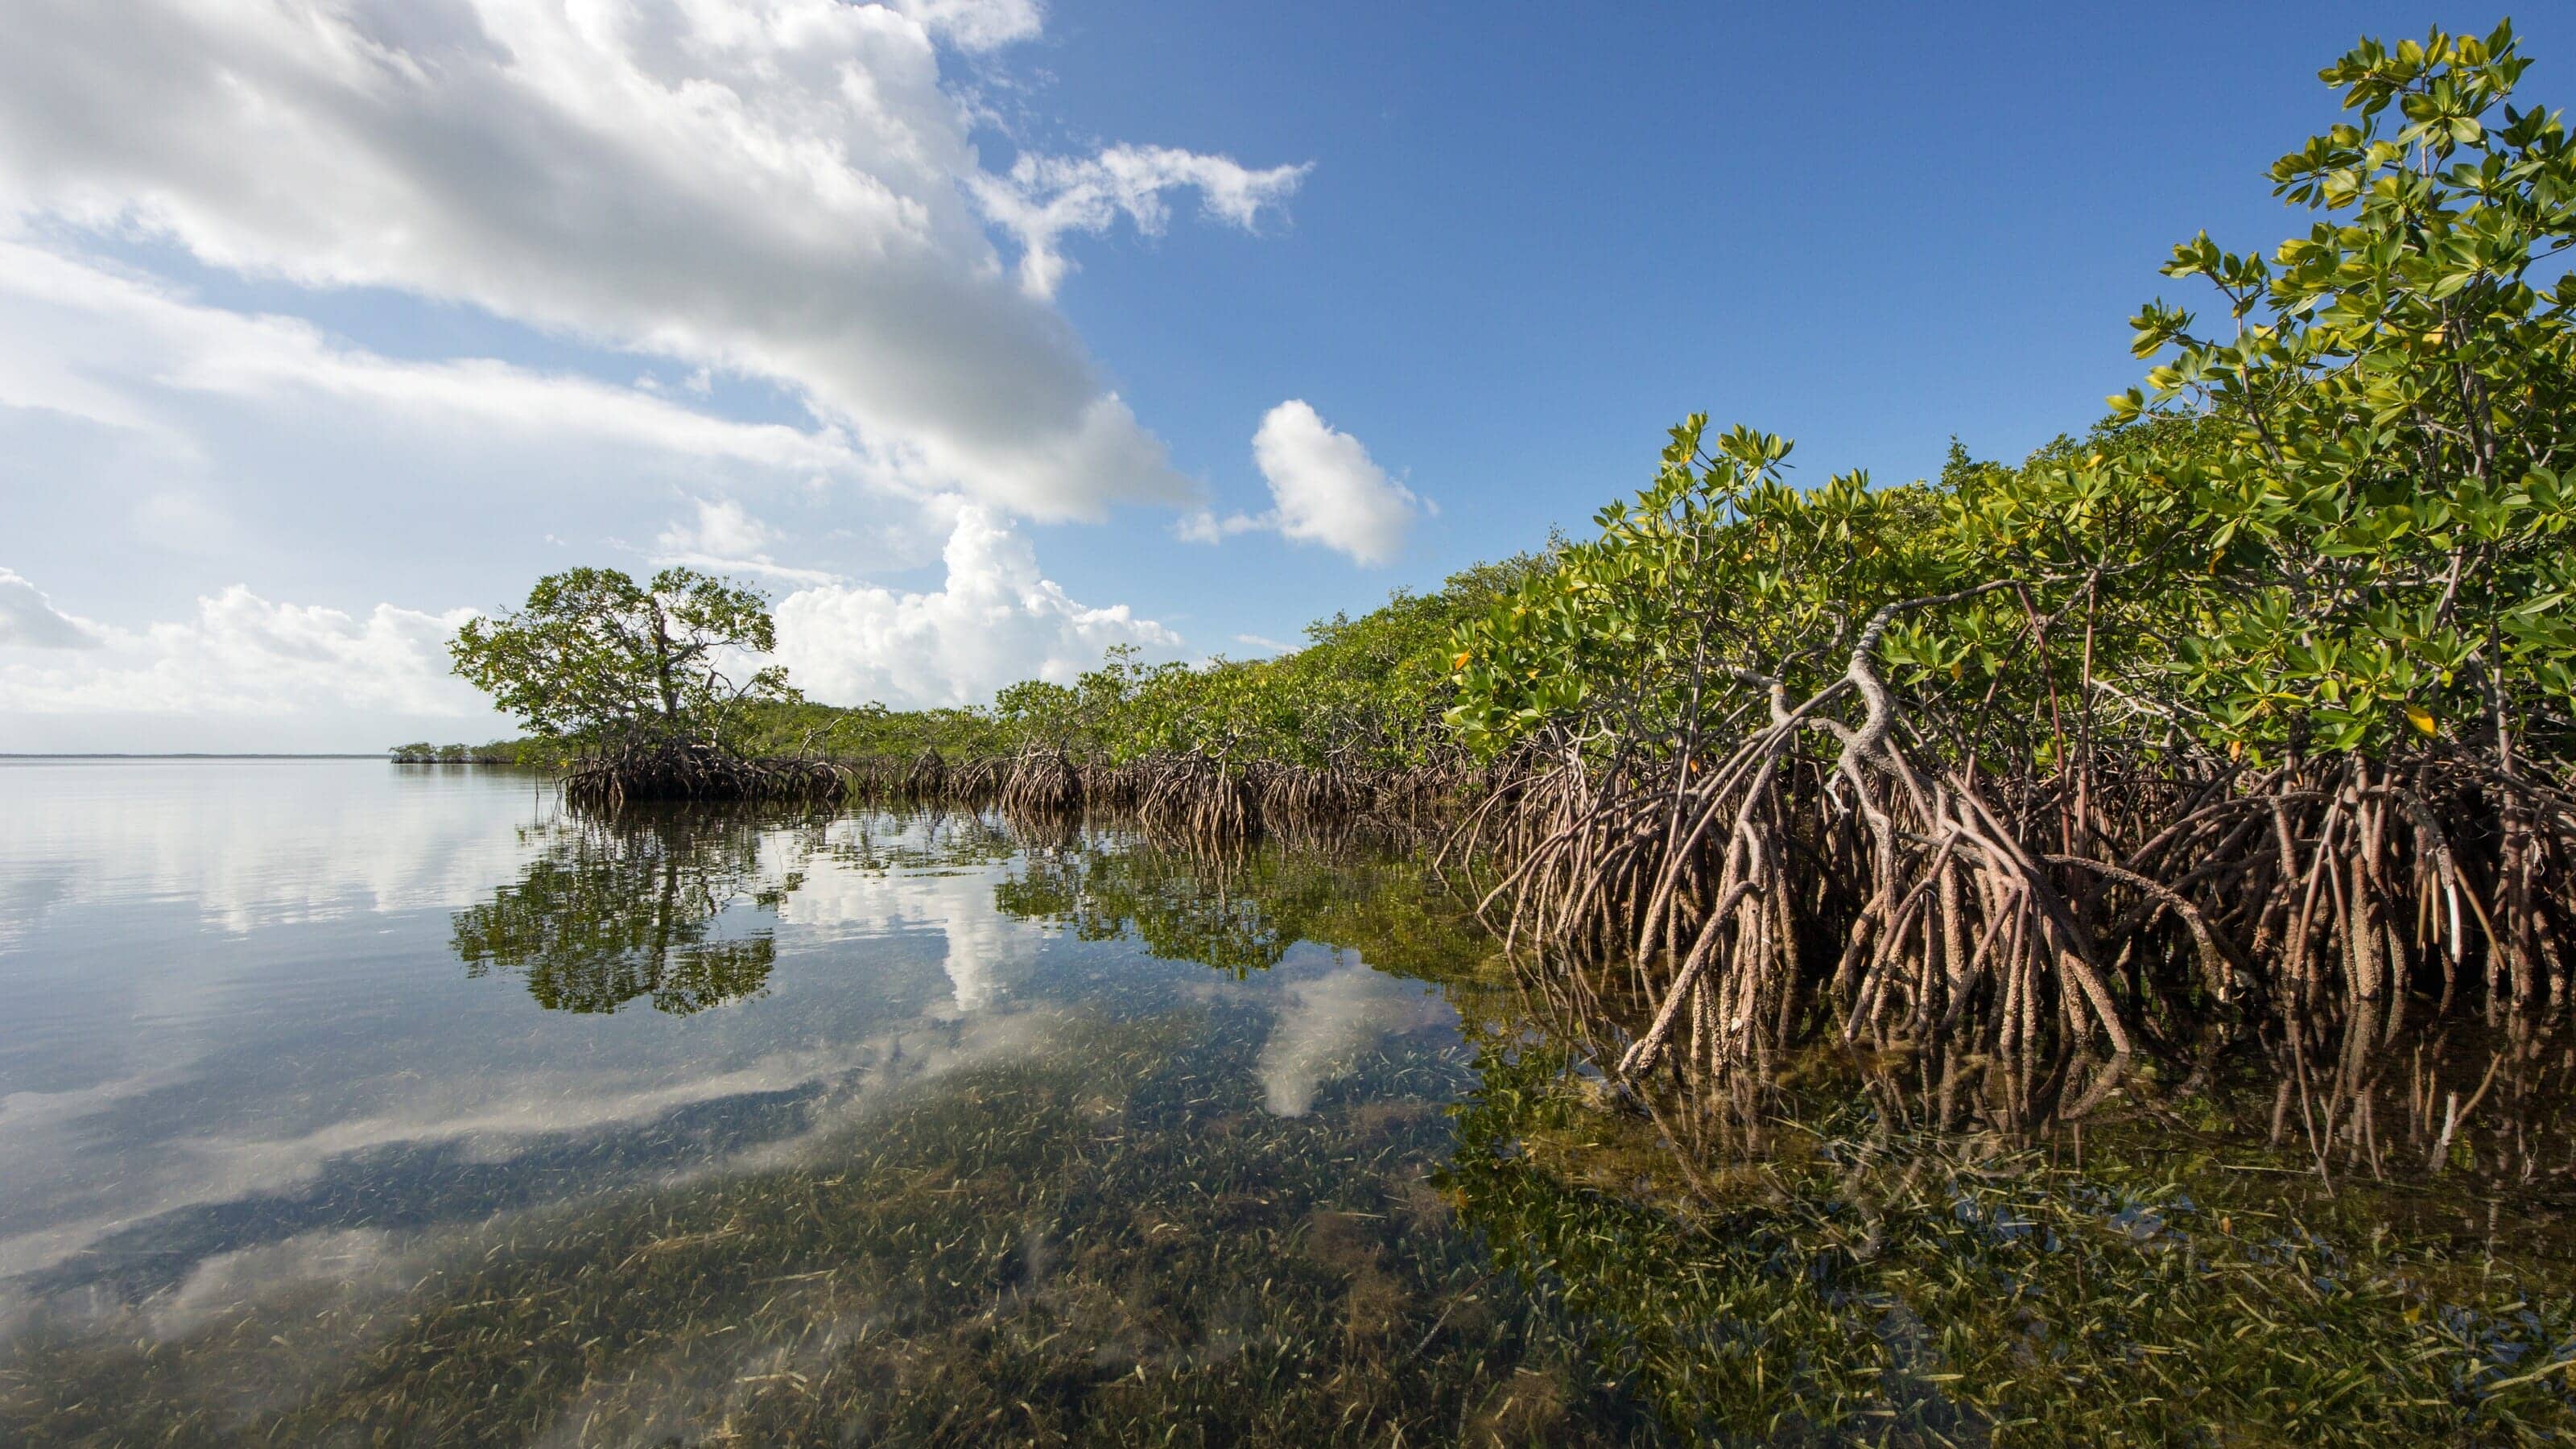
x=1192 y=796
x=636 y=773
x=1819 y=874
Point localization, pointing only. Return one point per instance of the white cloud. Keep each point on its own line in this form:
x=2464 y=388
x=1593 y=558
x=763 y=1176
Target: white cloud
x=106 y=347
x=977 y=24
x=242 y=654
x=724 y=538
x=1044 y=197
x=1324 y=489
x=30 y=620
x=1327 y=488
x=1205 y=527
x=996 y=620
x=721 y=527
x=771 y=189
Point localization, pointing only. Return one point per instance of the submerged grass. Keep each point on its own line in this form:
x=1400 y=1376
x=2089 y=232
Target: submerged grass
x=1851 y=1283
x=1111 y=1241
x=1114 y=1245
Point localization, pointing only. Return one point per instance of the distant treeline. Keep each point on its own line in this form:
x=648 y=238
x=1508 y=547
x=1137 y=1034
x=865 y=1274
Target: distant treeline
x=1364 y=693
x=530 y=753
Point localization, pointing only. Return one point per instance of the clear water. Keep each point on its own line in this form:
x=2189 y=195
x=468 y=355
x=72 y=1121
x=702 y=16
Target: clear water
x=345 y=1103
x=340 y=1096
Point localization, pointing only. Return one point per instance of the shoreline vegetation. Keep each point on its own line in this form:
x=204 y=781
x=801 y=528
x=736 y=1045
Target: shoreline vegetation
x=2226 y=748
x=2256 y=696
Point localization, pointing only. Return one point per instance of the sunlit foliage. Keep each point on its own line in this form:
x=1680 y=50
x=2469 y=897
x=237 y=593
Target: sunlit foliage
x=597 y=658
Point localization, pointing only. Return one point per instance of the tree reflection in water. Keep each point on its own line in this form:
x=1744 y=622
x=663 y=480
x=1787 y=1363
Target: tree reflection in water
x=2337 y=1228
x=1241 y=906
x=1263 y=1212
x=2329 y=1228
x=632 y=905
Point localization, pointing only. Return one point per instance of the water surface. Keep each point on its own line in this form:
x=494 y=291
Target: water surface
x=349 y=1103
x=339 y=1099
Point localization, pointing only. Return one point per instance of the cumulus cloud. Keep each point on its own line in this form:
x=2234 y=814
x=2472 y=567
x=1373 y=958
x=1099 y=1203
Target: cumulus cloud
x=724 y=538
x=1045 y=197
x=1324 y=489
x=996 y=620
x=774 y=189
x=1328 y=489
x=30 y=619
x=722 y=527
x=242 y=654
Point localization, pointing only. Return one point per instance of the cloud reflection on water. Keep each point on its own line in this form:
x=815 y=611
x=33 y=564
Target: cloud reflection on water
x=247 y=844
x=984 y=950
x=253 y=1039
x=1324 y=1023
x=274 y=1073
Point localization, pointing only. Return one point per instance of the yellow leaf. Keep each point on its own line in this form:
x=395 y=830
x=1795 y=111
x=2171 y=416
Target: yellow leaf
x=1461 y=661
x=2421 y=719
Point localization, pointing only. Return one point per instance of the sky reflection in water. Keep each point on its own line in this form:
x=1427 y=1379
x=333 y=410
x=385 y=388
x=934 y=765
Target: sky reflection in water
x=345 y=1100
x=245 y=1048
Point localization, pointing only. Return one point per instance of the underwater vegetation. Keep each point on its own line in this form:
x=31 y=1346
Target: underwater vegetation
x=1114 y=1244
x=1372 y=1210
x=1851 y=1278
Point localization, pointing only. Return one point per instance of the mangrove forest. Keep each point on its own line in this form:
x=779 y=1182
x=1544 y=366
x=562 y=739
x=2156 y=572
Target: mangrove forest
x=2071 y=950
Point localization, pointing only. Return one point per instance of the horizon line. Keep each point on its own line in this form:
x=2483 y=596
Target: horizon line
x=186 y=755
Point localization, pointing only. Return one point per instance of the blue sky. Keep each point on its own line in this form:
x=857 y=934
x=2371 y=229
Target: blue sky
x=977 y=331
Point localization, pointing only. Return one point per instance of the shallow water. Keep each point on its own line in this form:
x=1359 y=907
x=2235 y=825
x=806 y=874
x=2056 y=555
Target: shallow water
x=332 y=1095
x=348 y=1103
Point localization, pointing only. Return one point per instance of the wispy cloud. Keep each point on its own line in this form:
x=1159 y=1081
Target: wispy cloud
x=775 y=189
x=1044 y=198
x=723 y=538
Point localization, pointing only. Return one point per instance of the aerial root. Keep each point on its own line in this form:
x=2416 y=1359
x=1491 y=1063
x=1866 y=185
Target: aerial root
x=1814 y=878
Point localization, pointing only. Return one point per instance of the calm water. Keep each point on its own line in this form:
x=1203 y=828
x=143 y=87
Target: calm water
x=335 y=1094
x=347 y=1103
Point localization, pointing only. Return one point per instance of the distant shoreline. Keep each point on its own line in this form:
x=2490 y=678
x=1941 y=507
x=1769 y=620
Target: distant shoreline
x=169 y=755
